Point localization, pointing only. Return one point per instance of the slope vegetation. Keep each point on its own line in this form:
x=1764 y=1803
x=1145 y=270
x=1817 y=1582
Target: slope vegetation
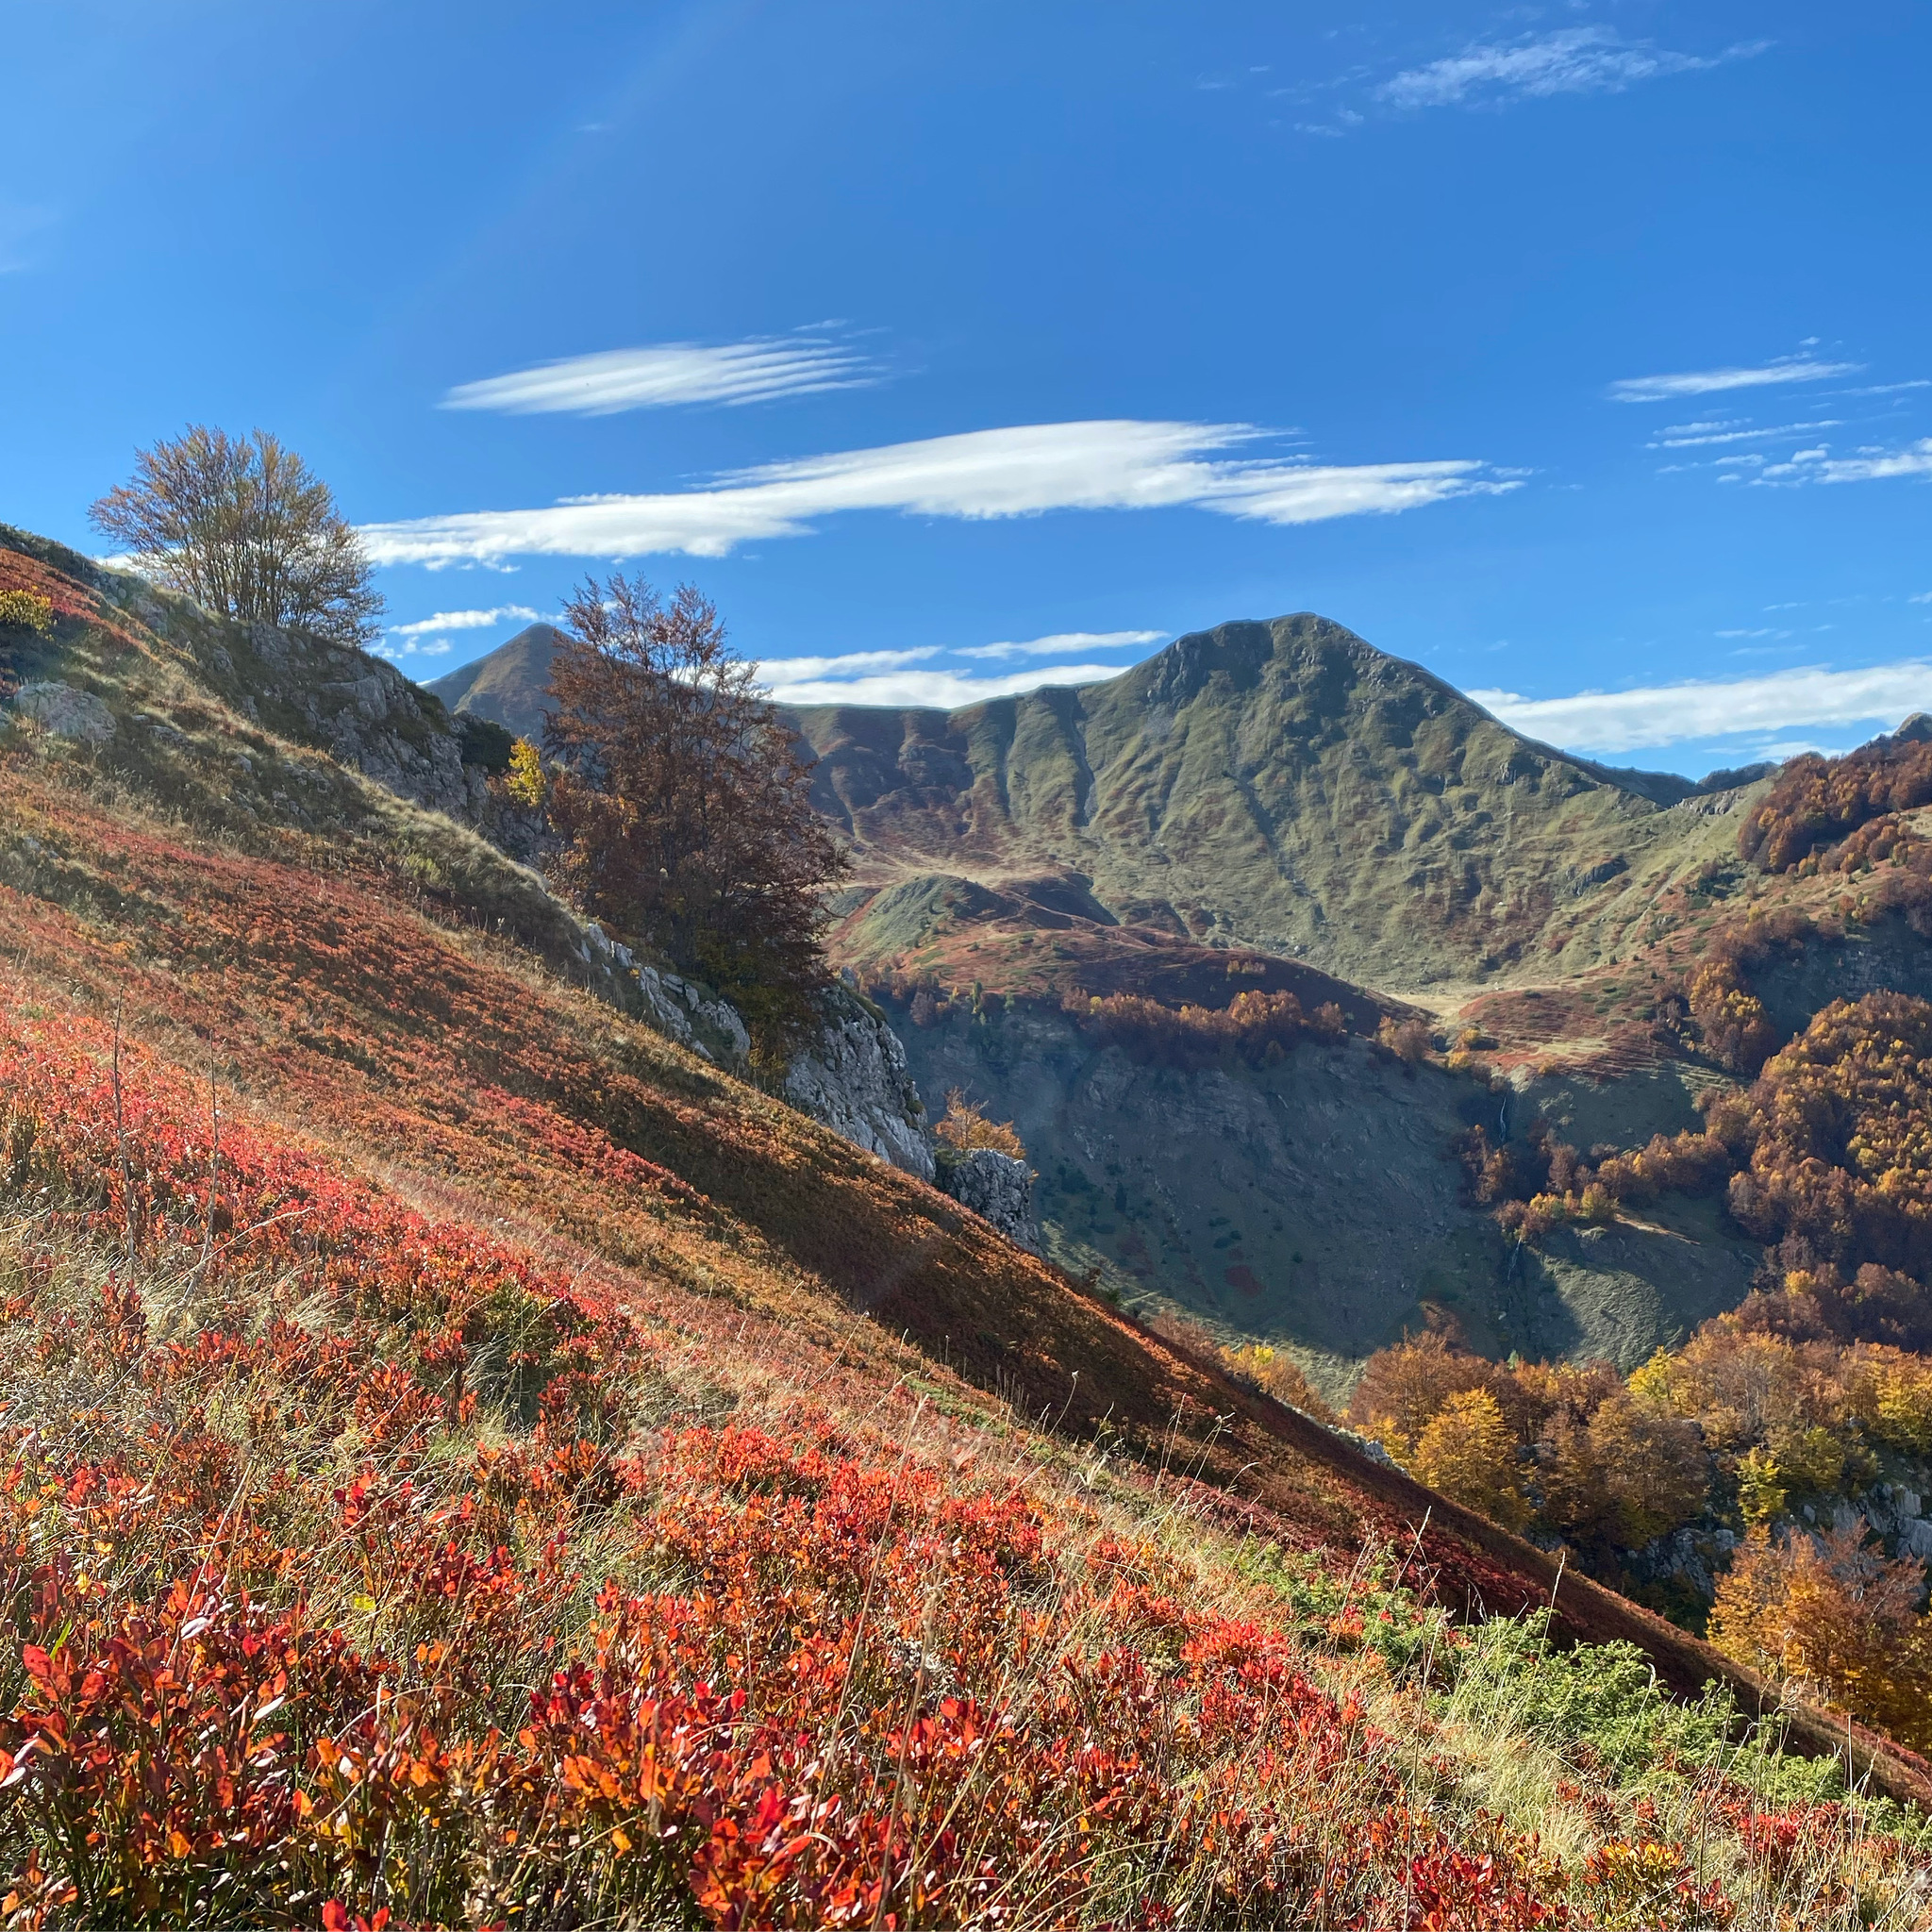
x=469 y=1458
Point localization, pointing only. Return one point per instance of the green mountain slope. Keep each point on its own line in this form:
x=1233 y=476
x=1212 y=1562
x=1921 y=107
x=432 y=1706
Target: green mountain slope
x=1284 y=786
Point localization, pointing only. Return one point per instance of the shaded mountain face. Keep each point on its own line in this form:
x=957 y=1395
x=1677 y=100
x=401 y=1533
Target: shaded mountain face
x=511 y=686
x=1281 y=786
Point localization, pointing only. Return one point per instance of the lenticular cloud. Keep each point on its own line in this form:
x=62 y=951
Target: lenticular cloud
x=983 y=473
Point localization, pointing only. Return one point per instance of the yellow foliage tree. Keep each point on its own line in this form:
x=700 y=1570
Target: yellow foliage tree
x=1835 y=1615
x=525 y=781
x=27 y=610
x=1653 y=1466
x=965 y=1126
x=1279 y=1375
x=1403 y=1387
x=1890 y=1391
x=1469 y=1452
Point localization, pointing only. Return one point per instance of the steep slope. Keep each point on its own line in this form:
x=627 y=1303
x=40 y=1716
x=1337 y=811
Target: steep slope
x=436 y=1031
x=1312 y=1200
x=507 y=687
x=448 y=1169
x=1281 y=786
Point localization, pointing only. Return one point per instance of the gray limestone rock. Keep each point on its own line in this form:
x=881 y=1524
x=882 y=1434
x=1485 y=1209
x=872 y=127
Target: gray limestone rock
x=1695 y=1557
x=853 y=1078
x=63 y=711
x=997 y=1186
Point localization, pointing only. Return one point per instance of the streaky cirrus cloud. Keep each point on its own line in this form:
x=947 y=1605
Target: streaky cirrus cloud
x=1704 y=382
x=1654 y=715
x=1682 y=437
x=937 y=690
x=1571 y=60
x=1066 y=644
x=665 y=375
x=463 y=620
x=981 y=474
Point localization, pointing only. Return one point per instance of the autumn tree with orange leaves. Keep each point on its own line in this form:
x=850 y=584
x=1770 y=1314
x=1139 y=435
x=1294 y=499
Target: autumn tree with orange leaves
x=683 y=800
x=1837 y=1614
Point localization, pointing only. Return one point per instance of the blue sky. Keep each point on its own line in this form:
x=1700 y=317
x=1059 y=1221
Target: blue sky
x=1577 y=351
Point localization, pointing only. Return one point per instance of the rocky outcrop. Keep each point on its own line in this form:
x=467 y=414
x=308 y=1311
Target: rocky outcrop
x=1691 y=1559
x=996 y=1187
x=853 y=1078
x=1893 y=1511
x=1695 y=1557
x=59 y=710
x=360 y=709
x=708 y=1026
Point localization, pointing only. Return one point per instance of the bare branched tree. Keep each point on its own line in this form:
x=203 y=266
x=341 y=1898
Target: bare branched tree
x=683 y=799
x=244 y=528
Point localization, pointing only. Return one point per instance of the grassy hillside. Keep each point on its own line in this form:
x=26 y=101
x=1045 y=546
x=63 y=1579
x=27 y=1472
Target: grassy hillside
x=1282 y=786
x=464 y=1457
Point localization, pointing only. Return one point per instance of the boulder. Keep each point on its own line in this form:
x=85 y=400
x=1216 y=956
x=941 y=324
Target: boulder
x=63 y=711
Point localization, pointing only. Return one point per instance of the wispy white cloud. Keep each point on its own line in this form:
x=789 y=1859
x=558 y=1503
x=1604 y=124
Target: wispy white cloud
x=939 y=690
x=664 y=374
x=1673 y=439
x=1766 y=632
x=1671 y=714
x=411 y=647
x=1924 y=597
x=790 y=672
x=463 y=620
x=982 y=473
x=884 y=677
x=1573 y=60
x=1067 y=643
x=1704 y=382
x=1864 y=466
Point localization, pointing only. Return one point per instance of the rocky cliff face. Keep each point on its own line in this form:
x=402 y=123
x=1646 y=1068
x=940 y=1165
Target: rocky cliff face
x=996 y=1187
x=853 y=1076
x=854 y=1079
x=360 y=709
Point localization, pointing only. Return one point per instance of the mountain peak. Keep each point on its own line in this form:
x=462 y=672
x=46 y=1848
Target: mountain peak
x=1282 y=784
x=508 y=685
